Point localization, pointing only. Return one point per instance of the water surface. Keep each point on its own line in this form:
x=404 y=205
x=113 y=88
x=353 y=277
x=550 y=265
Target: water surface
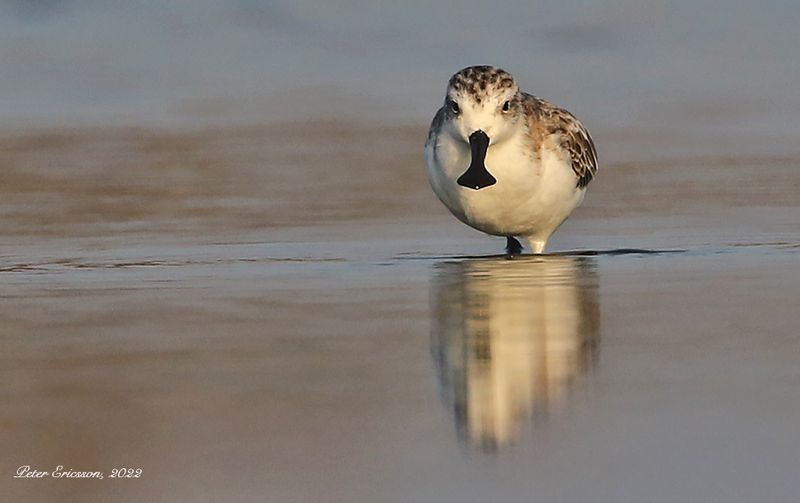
x=220 y=260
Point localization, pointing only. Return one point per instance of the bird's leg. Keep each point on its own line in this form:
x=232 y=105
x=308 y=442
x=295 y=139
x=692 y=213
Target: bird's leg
x=513 y=247
x=537 y=245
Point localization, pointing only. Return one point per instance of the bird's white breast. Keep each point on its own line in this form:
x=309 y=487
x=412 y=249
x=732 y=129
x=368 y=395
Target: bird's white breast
x=535 y=191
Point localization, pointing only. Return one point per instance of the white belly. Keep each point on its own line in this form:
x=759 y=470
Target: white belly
x=532 y=197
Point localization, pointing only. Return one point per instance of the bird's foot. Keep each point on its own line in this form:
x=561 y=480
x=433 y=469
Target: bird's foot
x=513 y=247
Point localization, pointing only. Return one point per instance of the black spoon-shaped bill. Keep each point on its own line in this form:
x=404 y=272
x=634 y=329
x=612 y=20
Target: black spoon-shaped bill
x=477 y=177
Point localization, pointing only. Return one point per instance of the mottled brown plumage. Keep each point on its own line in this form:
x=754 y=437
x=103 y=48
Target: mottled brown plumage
x=548 y=122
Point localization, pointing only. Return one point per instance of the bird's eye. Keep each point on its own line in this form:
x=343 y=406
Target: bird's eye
x=454 y=107
x=506 y=106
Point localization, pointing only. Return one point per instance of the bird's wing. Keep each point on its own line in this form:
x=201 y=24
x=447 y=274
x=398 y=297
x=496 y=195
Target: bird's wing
x=546 y=119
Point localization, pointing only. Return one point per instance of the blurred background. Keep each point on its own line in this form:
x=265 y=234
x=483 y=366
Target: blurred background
x=618 y=63
x=153 y=114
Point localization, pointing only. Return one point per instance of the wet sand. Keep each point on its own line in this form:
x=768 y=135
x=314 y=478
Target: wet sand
x=277 y=313
x=220 y=261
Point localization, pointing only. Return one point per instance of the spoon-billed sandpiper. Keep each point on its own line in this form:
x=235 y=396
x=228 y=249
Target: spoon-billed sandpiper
x=505 y=162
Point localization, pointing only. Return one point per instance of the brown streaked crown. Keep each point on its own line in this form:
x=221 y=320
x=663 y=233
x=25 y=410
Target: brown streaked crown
x=480 y=81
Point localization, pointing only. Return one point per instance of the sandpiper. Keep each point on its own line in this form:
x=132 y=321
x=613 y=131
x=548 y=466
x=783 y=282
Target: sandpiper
x=506 y=162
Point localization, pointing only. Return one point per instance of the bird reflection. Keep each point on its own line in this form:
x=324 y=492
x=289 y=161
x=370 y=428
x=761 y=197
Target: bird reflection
x=508 y=339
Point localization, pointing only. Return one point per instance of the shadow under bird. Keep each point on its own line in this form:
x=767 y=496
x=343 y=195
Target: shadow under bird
x=506 y=162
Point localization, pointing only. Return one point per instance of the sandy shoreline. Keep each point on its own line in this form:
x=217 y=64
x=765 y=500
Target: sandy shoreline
x=221 y=262
x=253 y=311
x=228 y=181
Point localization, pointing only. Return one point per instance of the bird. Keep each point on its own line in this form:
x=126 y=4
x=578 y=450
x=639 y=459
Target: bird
x=506 y=162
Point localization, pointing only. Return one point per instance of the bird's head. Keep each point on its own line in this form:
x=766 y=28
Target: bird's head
x=482 y=107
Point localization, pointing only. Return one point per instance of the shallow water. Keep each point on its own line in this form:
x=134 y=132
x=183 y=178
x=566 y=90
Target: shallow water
x=169 y=304
x=251 y=334
x=220 y=260
x=285 y=372
x=376 y=358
